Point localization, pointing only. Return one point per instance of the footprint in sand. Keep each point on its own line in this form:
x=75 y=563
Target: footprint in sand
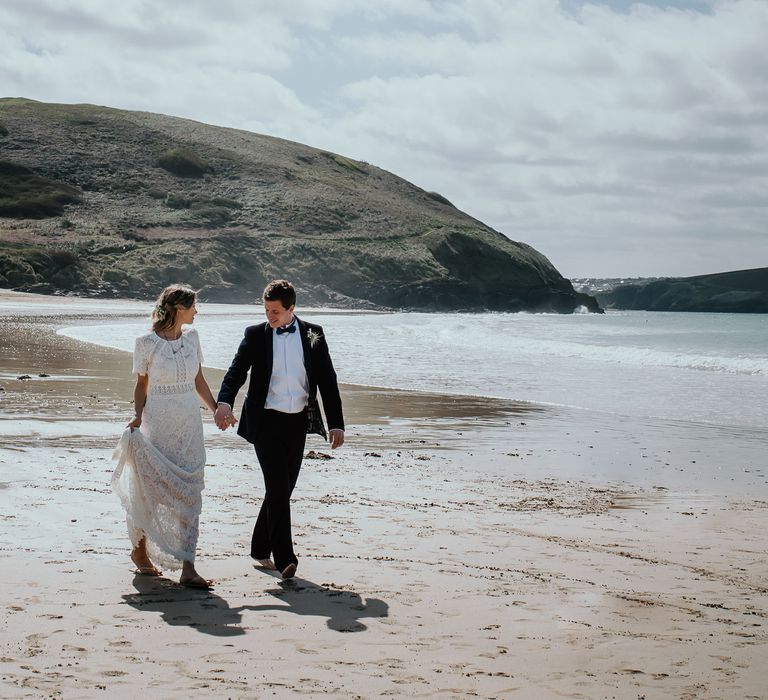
x=304 y=650
x=35 y=645
x=69 y=647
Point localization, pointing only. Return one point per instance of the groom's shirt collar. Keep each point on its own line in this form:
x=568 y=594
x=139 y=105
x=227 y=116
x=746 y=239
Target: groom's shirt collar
x=288 y=385
x=281 y=330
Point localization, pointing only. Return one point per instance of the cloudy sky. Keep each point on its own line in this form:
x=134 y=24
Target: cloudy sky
x=618 y=138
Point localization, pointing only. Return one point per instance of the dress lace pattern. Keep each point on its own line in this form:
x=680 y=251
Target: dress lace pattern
x=159 y=474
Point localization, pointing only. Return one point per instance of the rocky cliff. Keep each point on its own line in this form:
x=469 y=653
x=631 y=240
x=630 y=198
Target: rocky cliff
x=742 y=291
x=106 y=202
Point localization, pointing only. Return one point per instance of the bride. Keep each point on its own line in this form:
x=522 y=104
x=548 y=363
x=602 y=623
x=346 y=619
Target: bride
x=161 y=456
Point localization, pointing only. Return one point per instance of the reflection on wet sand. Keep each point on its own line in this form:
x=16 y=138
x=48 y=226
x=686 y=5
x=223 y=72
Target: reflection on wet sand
x=372 y=405
x=85 y=380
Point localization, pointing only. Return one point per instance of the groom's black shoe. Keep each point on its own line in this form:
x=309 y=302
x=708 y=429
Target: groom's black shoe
x=289 y=571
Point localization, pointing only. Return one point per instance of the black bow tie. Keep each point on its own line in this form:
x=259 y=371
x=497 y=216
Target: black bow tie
x=287 y=329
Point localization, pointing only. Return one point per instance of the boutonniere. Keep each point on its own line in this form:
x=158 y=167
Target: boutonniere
x=313 y=337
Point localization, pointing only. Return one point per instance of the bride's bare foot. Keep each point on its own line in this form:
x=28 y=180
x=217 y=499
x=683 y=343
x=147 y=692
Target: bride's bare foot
x=267 y=564
x=143 y=563
x=195 y=581
x=191 y=579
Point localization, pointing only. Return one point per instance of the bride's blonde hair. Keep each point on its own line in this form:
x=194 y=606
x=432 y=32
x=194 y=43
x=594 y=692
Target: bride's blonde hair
x=171 y=299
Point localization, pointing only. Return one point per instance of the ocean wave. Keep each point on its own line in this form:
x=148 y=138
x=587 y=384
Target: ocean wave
x=709 y=370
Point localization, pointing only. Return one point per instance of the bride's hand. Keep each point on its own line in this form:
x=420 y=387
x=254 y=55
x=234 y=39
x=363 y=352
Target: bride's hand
x=135 y=423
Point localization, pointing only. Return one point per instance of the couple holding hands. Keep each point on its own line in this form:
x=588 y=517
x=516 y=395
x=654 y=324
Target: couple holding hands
x=161 y=455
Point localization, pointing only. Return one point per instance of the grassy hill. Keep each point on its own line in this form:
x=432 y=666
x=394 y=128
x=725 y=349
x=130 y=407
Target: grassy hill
x=106 y=202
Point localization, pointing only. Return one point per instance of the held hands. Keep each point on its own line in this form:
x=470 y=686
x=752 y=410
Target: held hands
x=223 y=417
x=336 y=437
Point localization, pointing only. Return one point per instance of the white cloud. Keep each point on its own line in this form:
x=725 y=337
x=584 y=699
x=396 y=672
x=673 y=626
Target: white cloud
x=614 y=137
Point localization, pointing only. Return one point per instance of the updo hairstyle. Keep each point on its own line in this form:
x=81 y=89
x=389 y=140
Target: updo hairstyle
x=171 y=299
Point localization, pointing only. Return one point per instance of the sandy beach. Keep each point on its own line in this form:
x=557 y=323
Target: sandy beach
x=424 y=571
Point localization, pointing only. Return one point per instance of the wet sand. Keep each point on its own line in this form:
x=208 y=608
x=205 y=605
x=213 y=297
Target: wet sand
x=434 y=562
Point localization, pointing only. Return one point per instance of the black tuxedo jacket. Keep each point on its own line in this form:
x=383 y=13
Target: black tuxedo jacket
x=255 y=356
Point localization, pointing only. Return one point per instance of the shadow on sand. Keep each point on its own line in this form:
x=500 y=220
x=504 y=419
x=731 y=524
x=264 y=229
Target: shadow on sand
x=211 y=614
x=343 y=609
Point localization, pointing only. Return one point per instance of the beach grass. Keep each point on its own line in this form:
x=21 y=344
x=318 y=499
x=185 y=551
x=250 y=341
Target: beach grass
x=26 y=195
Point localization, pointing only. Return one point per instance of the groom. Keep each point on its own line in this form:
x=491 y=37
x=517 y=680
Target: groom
x=288 y=360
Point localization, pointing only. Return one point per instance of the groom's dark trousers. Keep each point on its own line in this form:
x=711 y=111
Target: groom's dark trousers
x=279 y=449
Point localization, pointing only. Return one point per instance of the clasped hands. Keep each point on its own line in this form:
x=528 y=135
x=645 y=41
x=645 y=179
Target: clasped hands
x=223 y=417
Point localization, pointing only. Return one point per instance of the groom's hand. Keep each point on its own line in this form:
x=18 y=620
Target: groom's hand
x=336 y=438
x=223 y=417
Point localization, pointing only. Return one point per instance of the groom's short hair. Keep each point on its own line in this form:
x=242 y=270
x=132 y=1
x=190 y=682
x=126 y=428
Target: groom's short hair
x=282 y=291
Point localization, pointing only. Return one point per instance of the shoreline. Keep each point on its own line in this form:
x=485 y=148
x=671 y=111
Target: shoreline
x=448 y=549
x=8 y=296
x=506 y=437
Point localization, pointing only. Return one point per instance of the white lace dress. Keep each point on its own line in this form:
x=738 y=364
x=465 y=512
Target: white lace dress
x=159 y=475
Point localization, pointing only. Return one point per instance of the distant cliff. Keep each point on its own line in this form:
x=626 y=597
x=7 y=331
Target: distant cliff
x=742 y=291
x=106 y=202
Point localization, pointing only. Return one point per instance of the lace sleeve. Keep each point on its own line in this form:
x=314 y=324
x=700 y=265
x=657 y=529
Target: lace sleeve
x=140 y=359
x=195 y=336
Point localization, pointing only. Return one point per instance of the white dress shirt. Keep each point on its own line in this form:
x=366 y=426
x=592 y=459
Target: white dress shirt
x=288 y=386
